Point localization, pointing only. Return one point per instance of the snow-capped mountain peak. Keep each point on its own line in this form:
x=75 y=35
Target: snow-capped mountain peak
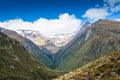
x=51 y=43
x=62 y=39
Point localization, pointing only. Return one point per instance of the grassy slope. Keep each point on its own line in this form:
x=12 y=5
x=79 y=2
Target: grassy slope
x=104 y=39
x=17 y=64
x=105 y=68
x=30 y=47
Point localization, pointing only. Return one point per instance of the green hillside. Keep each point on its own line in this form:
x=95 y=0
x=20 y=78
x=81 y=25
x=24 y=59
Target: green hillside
x=104 y=39
x=17 y=64
x=30 y=47
x=105 y=68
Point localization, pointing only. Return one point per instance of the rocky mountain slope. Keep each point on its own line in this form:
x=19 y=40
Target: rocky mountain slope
x=99 y=39
x=29 y=46
x=105 y=68
x=40 y=40
x=17 y=64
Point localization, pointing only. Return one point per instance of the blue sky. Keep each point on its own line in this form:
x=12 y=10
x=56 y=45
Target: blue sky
x=31 y=10
x=51 y=17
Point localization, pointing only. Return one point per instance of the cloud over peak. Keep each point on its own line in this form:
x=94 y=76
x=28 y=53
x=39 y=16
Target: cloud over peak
x=96 y=13
x=64 y=24
x=108 y=8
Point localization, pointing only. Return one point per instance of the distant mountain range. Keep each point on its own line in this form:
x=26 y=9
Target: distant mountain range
x=61 y=40
x=51 y=44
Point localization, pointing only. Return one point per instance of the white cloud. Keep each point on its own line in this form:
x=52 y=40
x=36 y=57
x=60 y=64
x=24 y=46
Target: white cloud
x=109 y=8
x=117 y=19
x=64 y=24
x=117 y=8
x=113 y=5
x=96 y=13
x=112 y=2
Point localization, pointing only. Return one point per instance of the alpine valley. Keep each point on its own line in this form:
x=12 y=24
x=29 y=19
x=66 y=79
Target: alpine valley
x=90 y=53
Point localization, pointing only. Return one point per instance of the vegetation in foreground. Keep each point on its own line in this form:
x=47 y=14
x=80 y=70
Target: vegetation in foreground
x=105 y=68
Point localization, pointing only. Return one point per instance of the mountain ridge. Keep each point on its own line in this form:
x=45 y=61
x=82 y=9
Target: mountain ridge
x=103 y=39
x=17 y=64
x=29 y=46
